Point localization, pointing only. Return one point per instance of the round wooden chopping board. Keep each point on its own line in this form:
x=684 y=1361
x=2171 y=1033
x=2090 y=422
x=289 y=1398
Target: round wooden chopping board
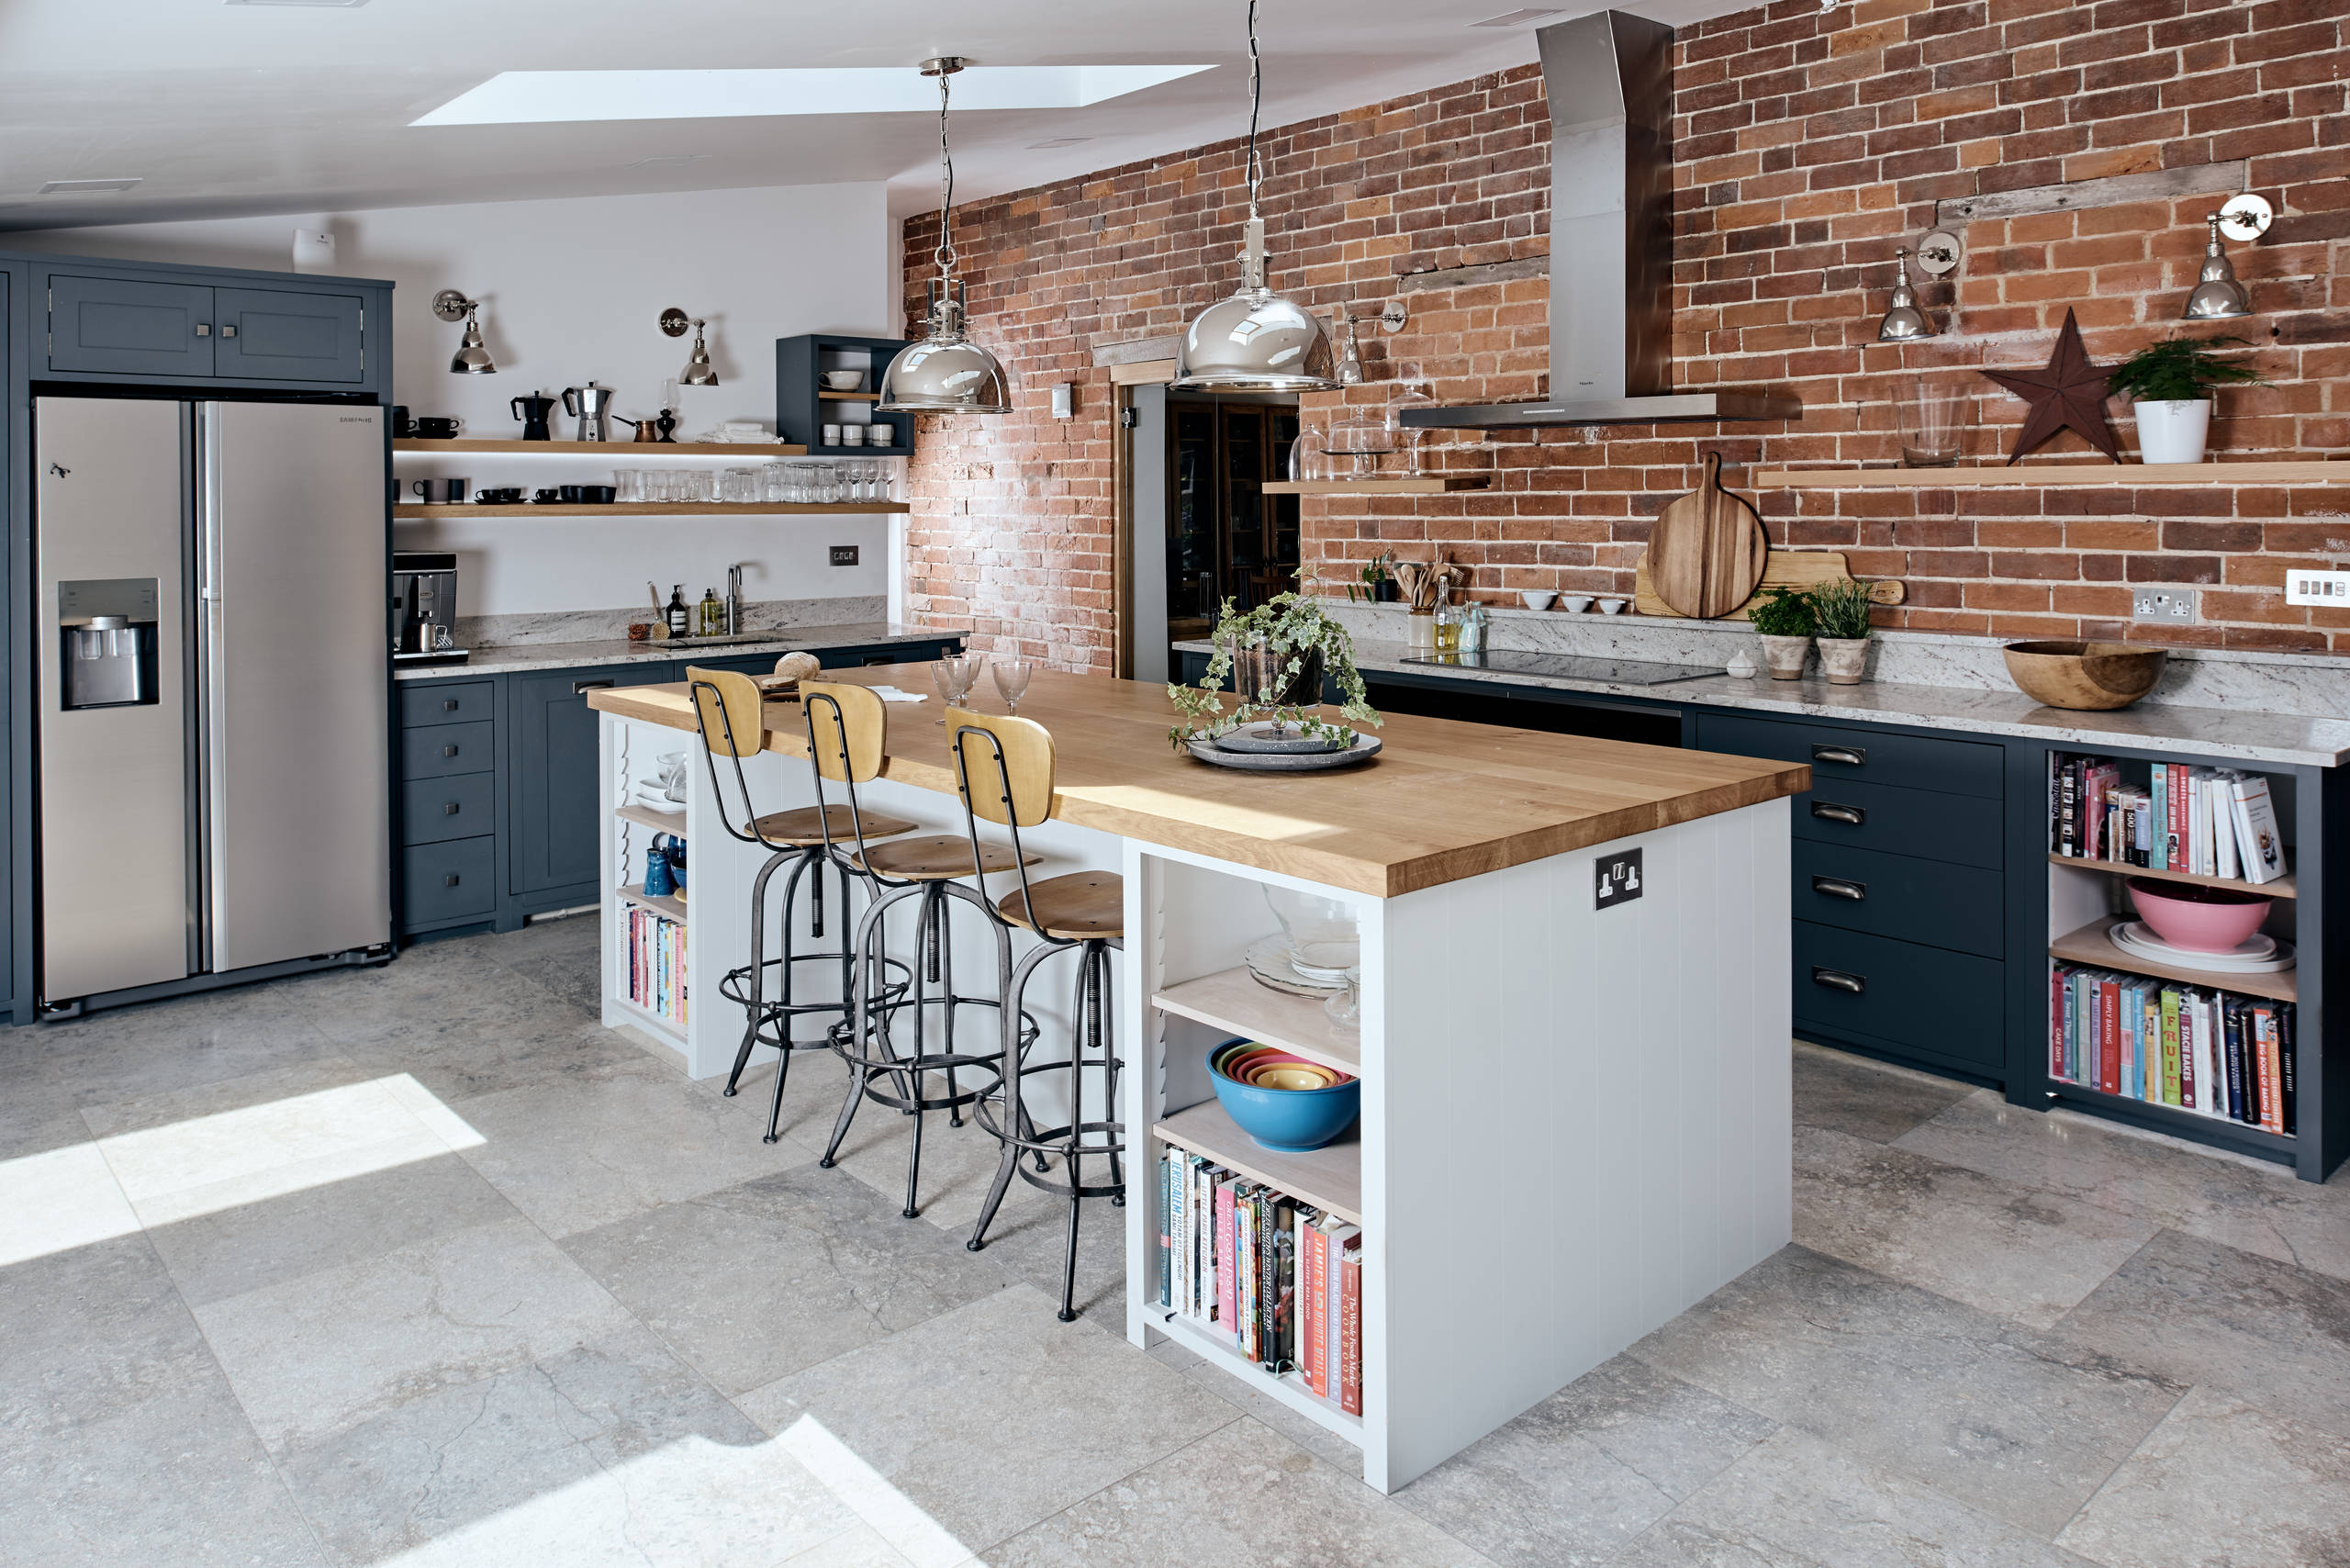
x=1707 y=550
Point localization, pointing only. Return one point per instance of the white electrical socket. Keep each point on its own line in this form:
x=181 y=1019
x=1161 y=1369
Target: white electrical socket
x=2163 y=604
x=2329 y=588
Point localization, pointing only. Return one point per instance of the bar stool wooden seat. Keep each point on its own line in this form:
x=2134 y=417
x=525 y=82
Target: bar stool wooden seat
x=846 y=728
x=1004 y=769
x=729 y=714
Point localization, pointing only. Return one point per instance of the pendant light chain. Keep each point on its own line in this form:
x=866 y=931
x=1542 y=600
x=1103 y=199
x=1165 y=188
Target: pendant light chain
x=945 y=254
x=1256 y=99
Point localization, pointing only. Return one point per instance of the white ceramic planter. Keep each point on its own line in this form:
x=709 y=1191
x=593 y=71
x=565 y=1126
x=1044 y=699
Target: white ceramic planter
x=1783 y=656
x=2174 y=431
x=1846 y=659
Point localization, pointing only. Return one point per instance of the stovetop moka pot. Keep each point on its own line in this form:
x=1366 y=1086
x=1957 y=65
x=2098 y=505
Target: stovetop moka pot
x=592 y=406
x=535 y=411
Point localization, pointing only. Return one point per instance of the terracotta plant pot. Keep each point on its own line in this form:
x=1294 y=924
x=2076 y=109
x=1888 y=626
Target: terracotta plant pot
x=1846 y=659
x=1784 y=656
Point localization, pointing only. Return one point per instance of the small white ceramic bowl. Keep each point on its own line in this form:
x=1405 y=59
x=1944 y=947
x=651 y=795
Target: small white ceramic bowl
x=1538 y=599
x=1576 y=602
x=843 y=380
x=1613 y=605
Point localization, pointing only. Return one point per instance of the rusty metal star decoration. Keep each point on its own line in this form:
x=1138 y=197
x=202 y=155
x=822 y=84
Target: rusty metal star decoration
x=2068 y=395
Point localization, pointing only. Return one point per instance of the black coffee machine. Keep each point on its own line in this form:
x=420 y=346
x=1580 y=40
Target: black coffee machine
x=424 y=608
x=533 y=411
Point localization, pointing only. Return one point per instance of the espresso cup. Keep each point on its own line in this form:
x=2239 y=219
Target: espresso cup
x=831 y=435
x=597 y=495
x=438 y=426
x=543 y=497
x=852 y=435
x=571 y=492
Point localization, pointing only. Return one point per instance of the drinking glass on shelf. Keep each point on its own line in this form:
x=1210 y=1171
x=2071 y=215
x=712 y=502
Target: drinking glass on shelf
x=628 y=484
x=699 y=484
x=1011 y=681
x=1931 y=412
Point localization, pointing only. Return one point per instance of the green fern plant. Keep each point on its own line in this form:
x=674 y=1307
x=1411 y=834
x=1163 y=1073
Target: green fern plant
x=2180 y=370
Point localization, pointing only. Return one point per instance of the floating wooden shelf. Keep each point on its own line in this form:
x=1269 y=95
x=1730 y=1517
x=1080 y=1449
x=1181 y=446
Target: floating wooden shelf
x=407 y=511
x=1328 y=1177
x=2050 y=475
x=660 y=821
x=1231 y=1000
x=849 y=397
x=463 y=445
x=1288 y=1388
x=1434 y=484
x=2091 y=944
x=660 y=904
x=2282 y=888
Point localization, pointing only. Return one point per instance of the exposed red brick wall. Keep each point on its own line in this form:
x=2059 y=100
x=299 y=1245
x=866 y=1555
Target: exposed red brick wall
x=1806 y=145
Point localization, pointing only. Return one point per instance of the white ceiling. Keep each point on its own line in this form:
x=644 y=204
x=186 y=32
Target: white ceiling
x=227 y=110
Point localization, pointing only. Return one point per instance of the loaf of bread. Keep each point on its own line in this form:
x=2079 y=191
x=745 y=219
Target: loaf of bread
x=799 y=666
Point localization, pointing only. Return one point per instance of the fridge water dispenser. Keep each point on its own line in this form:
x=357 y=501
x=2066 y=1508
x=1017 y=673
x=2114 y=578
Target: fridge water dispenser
x=107 y=643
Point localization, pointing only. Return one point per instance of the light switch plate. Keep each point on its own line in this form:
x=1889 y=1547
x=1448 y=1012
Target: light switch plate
x=2329 y=588
x=844 y=554
x=2163 y=604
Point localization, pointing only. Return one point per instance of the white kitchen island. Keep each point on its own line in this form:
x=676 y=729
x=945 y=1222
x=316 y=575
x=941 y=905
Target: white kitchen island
x=1575 y=1120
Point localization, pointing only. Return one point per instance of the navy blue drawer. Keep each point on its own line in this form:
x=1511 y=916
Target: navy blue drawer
x=1960 y=829
x=1910 y=762
x=443 y=881
x=1901 y=995
x=432 y=809
x=439 y=750
x=1901 y=896
x=445 y=701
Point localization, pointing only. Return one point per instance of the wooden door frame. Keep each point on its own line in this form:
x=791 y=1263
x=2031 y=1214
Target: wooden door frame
x=1123 y=378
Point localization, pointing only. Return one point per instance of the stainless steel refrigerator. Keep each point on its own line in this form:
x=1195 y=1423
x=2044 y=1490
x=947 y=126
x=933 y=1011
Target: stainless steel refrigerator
x=214 y=791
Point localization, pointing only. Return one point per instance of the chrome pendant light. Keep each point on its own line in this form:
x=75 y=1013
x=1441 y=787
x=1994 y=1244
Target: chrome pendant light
x=1257 y=341
x=945 y=372
x=1903 y=323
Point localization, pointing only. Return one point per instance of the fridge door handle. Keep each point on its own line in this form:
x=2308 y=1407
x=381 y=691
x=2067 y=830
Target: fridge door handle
x=212 y=732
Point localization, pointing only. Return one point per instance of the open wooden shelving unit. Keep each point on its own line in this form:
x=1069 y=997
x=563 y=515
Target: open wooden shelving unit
x=1288 y=1388
x=659 y=821
x=1231 y=1000
x=2050 y=475
x=659 y=903
x=469 y=445
x=2282 y=888
x=2093 y=945
x=1326 y=1177
x=1430 y=485
x=409 y=512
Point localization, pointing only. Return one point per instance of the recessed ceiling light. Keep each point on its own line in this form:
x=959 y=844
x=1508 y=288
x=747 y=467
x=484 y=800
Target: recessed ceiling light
x=667 y=160
x=1512 y=19
x=519 y=97
x=1057 y=141
x=79 y=187
x=329 y=4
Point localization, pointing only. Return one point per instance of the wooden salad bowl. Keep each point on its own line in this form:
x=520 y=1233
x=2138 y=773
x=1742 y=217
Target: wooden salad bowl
x=2091 y=676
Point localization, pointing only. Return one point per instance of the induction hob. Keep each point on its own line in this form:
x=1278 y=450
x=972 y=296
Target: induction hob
x=1570 y=666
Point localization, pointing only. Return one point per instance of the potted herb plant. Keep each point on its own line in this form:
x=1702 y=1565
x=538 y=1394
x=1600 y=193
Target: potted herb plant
x=2169 y=383
x=1841 y=608
x=1783 y=618
x=1277 y=654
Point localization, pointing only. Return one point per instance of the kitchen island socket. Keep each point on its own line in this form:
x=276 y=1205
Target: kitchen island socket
x=1575 y=1082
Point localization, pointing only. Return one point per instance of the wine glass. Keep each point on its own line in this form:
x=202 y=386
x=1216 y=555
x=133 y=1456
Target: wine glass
x=1011 y=681
x=954 y=675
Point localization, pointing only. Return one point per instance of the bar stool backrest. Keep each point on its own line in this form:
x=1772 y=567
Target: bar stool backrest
x=1003 y=770
x=728 y=711
x=846 y=727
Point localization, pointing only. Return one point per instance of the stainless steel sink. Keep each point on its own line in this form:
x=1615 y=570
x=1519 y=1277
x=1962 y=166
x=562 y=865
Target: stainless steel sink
x=722 y=640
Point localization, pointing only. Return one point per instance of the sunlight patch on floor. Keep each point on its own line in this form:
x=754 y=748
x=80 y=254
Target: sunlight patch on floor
x=90 y=1192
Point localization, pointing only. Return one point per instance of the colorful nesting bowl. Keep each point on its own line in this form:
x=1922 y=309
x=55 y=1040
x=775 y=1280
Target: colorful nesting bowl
x=1285 y=1120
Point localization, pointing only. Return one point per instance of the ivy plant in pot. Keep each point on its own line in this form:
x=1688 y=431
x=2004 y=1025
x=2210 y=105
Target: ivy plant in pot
x=1276 y=654
x=1783 y=618
x=1843 y=609
x=2169 y=383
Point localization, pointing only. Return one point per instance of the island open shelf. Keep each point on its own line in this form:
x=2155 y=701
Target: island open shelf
x=1326 y=1177
x=1232 y=1001
x=1288 y=1388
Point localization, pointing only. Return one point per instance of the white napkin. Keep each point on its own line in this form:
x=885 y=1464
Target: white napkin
x=892 y=694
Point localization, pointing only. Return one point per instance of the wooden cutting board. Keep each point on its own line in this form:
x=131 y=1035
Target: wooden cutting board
x=1781 y=568
x=1706 y=552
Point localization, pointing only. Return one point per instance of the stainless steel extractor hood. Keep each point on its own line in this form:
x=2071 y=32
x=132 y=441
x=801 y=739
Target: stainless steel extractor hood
x=1609 y=80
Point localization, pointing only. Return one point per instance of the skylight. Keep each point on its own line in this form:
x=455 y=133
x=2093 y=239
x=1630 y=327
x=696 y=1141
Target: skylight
x=517 y=97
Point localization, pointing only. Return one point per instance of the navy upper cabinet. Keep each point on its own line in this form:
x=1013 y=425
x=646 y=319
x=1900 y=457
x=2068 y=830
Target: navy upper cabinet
x=129 y=326
x=270 y=334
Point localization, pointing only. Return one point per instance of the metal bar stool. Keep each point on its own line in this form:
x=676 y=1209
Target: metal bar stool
x=728 y=710
x=846 y=725
x=1003 y=767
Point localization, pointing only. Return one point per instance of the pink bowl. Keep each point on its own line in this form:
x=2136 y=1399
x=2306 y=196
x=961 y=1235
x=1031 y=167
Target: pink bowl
x=2208 y=920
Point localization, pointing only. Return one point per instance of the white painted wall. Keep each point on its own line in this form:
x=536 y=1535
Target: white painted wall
x=571 y=290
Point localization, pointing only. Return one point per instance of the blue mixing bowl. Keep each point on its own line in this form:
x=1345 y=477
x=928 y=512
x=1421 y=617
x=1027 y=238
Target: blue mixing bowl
x=1289 y=1121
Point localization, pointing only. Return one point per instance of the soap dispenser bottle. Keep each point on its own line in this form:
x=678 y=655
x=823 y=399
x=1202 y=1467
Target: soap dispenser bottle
x=710 y=615
x=679 y=618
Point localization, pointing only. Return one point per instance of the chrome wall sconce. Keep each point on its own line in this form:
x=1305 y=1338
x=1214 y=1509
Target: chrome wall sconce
x=2217 y=296
x=1937 y=255
x=698 y=372
x=472 y=358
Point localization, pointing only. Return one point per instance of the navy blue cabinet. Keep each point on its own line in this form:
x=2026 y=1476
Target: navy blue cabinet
x=129 y=326
x=551 y=771
x=273 y=334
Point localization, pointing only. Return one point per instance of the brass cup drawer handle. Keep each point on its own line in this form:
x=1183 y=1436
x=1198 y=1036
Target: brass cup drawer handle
x=1828 y=811
x=1837 y=980
x=1850 y=756
x=1838 y=888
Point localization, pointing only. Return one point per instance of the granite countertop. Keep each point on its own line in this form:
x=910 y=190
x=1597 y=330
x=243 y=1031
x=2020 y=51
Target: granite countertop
x=2250 y=736
x=514 y=657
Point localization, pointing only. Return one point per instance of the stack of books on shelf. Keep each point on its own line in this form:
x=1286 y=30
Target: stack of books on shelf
x=657 y=965
x=1276 y=1279
x=2192 y=1047
x=2211 y=821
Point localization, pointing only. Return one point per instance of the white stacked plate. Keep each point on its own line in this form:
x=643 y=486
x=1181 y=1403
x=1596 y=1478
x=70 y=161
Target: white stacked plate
x=1270 y=963
x=2262 y=955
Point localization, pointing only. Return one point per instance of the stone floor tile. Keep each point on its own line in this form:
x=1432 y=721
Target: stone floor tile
x=1575 y=1479
x=1241 y=1495
x=36 y=1117
x=1872 y=1100
x=1246 y=1396
x=90 y=1333
x=2206 y=1314
x=175 y=1107
x=1798 y=1502
x=1030 y=1240
x=759 y=1280
x=562 y=957
x=995 y=1416
x=2222 y=1483
x=2007 y=1249
x=958 y=1164
x=130 y=1053
x=2246 y=1204
x=2017 y=1424
x=314 y=1355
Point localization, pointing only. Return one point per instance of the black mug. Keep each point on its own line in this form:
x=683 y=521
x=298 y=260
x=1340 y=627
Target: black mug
x=543 y=497
x=597 y=495
x=403 y=427
x=439 y=492
x=438 y=426
x=571 y=492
